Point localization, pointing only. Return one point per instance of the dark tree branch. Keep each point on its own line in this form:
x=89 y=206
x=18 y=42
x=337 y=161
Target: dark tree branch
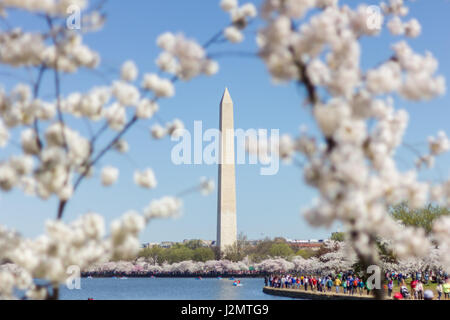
x=36 y=88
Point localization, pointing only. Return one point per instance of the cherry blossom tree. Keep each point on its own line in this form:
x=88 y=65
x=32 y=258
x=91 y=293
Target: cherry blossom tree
x=54 y=157
x=340 y=257
x=316 y=44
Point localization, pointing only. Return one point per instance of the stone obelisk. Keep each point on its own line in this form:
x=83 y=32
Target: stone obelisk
x=226 y=200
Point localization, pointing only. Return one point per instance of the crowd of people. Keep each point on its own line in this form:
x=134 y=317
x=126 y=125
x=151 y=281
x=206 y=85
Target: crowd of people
x=349 y=283
x=418 y=280
x=346 y=283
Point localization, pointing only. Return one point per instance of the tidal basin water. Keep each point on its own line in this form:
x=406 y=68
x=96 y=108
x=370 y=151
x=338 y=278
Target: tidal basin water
x=167 y=289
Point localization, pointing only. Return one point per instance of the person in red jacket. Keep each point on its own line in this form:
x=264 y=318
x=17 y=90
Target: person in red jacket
x=413 y=288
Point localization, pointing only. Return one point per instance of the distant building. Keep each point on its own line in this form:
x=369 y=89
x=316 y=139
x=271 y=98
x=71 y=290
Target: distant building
x=253 y=242
x=208 y=243
x=166 y=244
x=203 y=243
x=152 y=244
x=148 y=245
x=296 y=241
x=305 y=241
x=313 y=244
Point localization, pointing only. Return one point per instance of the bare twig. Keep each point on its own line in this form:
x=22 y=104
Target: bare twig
x=36 y=88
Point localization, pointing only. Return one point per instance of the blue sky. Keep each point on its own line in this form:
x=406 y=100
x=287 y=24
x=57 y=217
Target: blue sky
x=266 y=205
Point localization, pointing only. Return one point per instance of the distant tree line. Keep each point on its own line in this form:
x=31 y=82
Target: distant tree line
x=194 y=250
x=278 y=247
x=264 y=249
x=423 y=218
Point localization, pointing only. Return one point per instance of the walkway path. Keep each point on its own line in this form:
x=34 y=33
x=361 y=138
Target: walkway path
x=315 y=295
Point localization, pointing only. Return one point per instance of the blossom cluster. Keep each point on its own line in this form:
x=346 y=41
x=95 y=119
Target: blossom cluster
x=173 y=128
x=240 y=16
x=80 y=243
x=49 y=162
x=183 y=57
x=50 y=7
x=20 y=48
x=435 y=261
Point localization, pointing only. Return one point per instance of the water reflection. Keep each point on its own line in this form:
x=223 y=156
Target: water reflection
x=167 y=289
x=227 y=291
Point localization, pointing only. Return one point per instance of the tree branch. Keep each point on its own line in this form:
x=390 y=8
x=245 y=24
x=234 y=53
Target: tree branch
x=36 y=88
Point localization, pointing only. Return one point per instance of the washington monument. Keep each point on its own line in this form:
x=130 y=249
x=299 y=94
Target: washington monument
x=226 y=200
